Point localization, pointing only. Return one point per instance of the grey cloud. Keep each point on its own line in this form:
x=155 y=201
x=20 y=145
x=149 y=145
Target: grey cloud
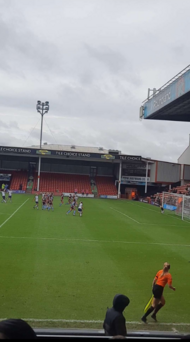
x=94 y=64
x=112 y=59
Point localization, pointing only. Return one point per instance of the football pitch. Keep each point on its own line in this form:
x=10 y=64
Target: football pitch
x=62 y=270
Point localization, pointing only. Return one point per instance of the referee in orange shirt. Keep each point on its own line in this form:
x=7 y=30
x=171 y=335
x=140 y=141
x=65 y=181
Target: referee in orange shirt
x=162 y=278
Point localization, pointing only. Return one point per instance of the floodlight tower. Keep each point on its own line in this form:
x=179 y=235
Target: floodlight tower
x=42 y=108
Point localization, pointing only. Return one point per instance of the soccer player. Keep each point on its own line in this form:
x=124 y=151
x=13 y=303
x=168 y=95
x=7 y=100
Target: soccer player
x=62 y=199
x=76 y=199
x=162 y=278
x=43 y=202
x=51 y=203
x=36 y=200
x=72 y=207
x=3 y=196
x=47 y=201
x=10 y=195
x=162 y=210
x=80 y=207
x=70 y=199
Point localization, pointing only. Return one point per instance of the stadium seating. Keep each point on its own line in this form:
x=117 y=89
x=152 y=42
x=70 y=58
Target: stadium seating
x=17 y=178
x=52 y=182
x=106 y=186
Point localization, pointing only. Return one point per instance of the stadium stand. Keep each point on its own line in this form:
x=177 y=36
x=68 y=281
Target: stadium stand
x=17 y=178
x=105 y=186
x=52 y=182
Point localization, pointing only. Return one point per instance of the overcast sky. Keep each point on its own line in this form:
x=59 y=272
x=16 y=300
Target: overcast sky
x=93 y=60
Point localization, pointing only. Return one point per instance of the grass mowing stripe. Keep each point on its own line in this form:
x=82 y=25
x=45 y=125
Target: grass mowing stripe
x=83 y=240
x=13 y=213
x=125 y=215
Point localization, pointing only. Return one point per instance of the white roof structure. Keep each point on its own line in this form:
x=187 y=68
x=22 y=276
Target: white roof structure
x=185 y=156
x=73 y=148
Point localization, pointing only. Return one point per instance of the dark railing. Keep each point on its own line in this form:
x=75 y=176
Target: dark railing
x=90 y=333
x=167 y=83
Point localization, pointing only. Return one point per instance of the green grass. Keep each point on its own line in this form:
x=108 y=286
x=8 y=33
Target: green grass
x=56 y=266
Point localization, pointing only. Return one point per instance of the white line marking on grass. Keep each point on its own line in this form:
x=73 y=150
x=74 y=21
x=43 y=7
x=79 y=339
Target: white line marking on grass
x=125 y=215
x=99 y=241
x=93 y=321
x=158 y=212
x=13 y=213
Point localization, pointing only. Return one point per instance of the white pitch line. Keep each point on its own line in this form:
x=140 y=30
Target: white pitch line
x=99 y=241
x=93 y=321
x=158 y=212
x=125 y=215
x=13 y=213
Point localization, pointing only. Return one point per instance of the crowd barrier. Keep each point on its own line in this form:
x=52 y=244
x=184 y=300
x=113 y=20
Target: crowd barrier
x=93 y=333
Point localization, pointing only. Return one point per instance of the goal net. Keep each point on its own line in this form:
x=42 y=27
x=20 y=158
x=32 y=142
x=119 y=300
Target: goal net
x=178 y=203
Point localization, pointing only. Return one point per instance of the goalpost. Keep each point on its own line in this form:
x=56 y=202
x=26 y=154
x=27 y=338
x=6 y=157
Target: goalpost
x=178 y=203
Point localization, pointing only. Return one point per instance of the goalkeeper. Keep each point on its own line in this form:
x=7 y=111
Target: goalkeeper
x=162 y=278
x=162 y=209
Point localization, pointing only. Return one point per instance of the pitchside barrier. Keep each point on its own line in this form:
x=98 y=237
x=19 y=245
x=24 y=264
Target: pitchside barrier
x=178 y=203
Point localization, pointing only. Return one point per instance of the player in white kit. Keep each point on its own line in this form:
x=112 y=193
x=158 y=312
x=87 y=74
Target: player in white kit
x=80 y=208
x=10 y=195
x=3 y=196
x=36 y=200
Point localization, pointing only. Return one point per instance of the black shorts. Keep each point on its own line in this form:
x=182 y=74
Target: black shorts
x=157 y=291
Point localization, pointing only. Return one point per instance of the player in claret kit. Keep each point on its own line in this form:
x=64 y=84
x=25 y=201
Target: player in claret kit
x=37 y=201
x=51 y=203
x=47 y=201
x=62 y=199
x=44 y=202
x=72 y=208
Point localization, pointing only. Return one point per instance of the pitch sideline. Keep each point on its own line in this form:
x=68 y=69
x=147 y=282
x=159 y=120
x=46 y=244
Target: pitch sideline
x=94 y=321
x=13 y=214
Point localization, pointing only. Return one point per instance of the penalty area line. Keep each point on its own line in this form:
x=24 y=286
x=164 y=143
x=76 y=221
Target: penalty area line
x=13 y=213
x=125 y=215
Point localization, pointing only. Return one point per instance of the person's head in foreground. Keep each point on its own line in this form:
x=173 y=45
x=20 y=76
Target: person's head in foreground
x=16 y=329
x=114 y=323
x=166 y=267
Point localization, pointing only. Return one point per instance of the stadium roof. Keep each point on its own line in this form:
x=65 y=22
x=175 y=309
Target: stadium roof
x=73 y=148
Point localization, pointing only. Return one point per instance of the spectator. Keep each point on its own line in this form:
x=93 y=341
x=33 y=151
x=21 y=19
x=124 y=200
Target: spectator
x=87 y=192
x=114 y=323
x=16 y=329
x=20 y=186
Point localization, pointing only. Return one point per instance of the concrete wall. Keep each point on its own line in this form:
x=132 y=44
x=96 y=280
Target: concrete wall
x=187 y=172
x=168 y=172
